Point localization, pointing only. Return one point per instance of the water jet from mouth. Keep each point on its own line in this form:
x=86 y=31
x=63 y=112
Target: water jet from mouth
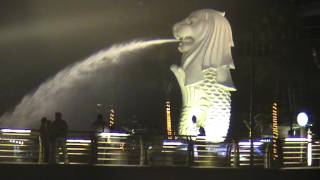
x=64 y=91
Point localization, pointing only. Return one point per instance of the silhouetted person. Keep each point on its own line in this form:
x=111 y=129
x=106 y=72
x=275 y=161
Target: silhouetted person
x=190 y=151
x=194 y=119
x=99 y=124
x=58 y=134
x=202 y=132
x=44 y=139
x=201 y=144
x=190 y=139
x=194 y=126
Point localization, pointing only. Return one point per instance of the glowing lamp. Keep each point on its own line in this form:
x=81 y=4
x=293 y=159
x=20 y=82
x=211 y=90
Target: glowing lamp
x=302 y=119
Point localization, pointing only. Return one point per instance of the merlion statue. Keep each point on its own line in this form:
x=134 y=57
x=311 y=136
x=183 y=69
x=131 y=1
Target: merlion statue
x=204 y=76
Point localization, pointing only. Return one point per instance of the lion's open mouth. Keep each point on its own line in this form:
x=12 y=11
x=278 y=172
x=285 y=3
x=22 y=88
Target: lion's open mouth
x=188 y=40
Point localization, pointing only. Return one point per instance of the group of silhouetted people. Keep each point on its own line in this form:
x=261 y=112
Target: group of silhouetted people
x=53 y=138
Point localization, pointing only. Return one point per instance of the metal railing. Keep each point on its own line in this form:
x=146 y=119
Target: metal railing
x=19 y=146
x=23 y=146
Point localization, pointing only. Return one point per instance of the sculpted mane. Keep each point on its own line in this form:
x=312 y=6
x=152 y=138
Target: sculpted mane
x=212 y=51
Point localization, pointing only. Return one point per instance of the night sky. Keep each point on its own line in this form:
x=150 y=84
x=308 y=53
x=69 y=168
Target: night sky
x=40 y=37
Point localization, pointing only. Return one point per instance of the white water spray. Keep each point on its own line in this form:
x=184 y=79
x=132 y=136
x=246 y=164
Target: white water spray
x=59 y=93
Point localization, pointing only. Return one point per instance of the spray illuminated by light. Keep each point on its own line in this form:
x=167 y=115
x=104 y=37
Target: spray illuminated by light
x=55 y=93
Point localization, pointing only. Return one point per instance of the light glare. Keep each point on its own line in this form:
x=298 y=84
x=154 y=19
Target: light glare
x=302 y=119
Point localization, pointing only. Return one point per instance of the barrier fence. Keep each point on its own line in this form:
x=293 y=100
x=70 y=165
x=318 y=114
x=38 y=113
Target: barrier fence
x=25 y=146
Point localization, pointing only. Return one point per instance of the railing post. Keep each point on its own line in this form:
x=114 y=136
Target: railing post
x=41 y=153
x=142 y=151
x=94 y=148
x=267 y=156
x=236 y=154
x=190 y=151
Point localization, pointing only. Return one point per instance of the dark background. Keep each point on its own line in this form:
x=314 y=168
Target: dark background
x=40 y=37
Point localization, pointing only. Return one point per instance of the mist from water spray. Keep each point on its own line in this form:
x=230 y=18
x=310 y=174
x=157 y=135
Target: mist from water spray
x=60 y=93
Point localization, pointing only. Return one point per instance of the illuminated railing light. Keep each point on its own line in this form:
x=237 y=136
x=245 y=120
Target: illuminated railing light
x=202 y=161
x=109 y=142
x=18 y=139
x=294 y=147
x=104 y=134
x=293 y=152
x=169 y=147
x=77 y=144
x=172 y=143
x=16 y=134
x=8 y=156
x=110 y=148
x=257 y=143
x=167 y=151
x=292 y=162
x=77 y=149
x=296 y=139
x=207 y=156
x=110 y=153
x=13 y=141
x=110 y=159
x=289 y=157
x=13 y=145
x=295 y=142
x=265 y=140
x=244 y=164
x=244 y=151
x=15 y=130
x=11 y=150
x=78 y=141
x=76 y=154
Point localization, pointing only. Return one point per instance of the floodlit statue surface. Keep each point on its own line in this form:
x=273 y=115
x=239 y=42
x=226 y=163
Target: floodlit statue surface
x=204 y=76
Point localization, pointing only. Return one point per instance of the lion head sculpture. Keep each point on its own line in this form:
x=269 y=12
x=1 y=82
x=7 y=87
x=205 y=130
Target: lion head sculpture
x=205 y=42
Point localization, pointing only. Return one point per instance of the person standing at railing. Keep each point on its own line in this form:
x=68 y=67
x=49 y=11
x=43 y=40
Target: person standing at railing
x=58 y=134
x=44 y=139
x=99 y=125
x=202 y=132
x=195 y=128
x=190 y=140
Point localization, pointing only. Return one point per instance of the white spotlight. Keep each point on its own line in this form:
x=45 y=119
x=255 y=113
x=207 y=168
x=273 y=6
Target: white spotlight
x=302 y=119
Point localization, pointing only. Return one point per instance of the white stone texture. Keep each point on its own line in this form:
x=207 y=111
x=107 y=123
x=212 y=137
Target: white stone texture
x=204 y=76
